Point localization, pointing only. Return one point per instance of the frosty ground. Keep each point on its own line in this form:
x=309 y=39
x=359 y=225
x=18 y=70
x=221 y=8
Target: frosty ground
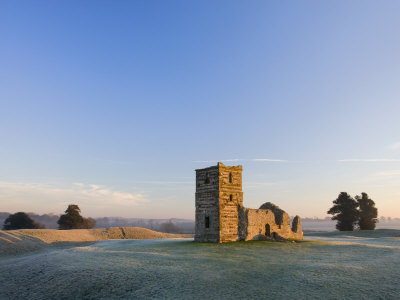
x=358 y=265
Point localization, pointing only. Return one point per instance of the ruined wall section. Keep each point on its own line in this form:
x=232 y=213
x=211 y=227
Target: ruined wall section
x=230 y=199
x=207 y=205
x=296 y=225
x=256 y=224
x=252 y=223
x=280 y=216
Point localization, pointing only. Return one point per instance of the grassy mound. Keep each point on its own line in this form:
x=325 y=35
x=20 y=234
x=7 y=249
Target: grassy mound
x=25 y=240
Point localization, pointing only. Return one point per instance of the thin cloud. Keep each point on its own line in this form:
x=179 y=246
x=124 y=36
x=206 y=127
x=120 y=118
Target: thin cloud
x=89 y=194
x=391 y=173
x=215 y=161
x=241 y=159
x=369 y=160
x=268 y=159
x=160 y=182
x=395 y=146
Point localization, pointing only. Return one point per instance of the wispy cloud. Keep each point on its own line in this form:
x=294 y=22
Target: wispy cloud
x=88 y=194
x=391 y=173
x=369 y=160
x=395 y=146
x=161 y=182
x=268 y=159
x=241 y=159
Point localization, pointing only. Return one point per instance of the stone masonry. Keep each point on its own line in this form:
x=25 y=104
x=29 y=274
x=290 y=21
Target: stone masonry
x=221 y=216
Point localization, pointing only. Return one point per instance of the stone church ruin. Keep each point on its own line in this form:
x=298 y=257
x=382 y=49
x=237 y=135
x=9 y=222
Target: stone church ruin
x=221 y=216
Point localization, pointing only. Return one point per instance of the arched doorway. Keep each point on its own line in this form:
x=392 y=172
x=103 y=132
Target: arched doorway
x=267 y=230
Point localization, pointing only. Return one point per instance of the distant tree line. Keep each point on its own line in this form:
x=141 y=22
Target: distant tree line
x=20 y=220
x=163 y=225
x=169 y=227
x=350 y=212
x=45 y=220
x=70 y=220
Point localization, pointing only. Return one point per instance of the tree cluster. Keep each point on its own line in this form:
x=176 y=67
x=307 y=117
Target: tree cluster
x=20 y=220
x=72 y=219
x=169 y=227
x=350 y=212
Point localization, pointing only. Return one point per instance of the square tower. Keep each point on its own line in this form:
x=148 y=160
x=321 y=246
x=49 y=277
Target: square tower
x=218 y=197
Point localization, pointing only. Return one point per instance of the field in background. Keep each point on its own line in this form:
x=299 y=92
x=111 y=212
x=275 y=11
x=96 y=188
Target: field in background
x=329 y=225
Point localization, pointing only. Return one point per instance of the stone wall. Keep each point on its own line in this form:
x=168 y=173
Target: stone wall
x=230 y=198
x=255 y=224
x=207 y=205
x=221 y=217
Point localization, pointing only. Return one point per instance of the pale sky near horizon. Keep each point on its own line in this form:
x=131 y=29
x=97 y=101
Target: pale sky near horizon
x=112 y=105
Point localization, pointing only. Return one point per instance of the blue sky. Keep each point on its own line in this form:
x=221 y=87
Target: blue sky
x=112 y=105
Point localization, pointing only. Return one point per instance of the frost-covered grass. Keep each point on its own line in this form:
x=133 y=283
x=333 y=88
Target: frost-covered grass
x=340 y=266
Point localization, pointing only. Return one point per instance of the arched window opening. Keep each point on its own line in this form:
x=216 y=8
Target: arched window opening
x=267 y=230
x=207 y=179
x=230 y=177
x=230 y=197
x=207 y=222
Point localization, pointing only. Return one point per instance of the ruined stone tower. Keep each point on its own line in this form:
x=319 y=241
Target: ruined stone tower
x=221 y=216
x=218 y=197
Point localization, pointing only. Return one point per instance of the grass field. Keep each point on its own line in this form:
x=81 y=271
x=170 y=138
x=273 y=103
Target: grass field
x=360 y=265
